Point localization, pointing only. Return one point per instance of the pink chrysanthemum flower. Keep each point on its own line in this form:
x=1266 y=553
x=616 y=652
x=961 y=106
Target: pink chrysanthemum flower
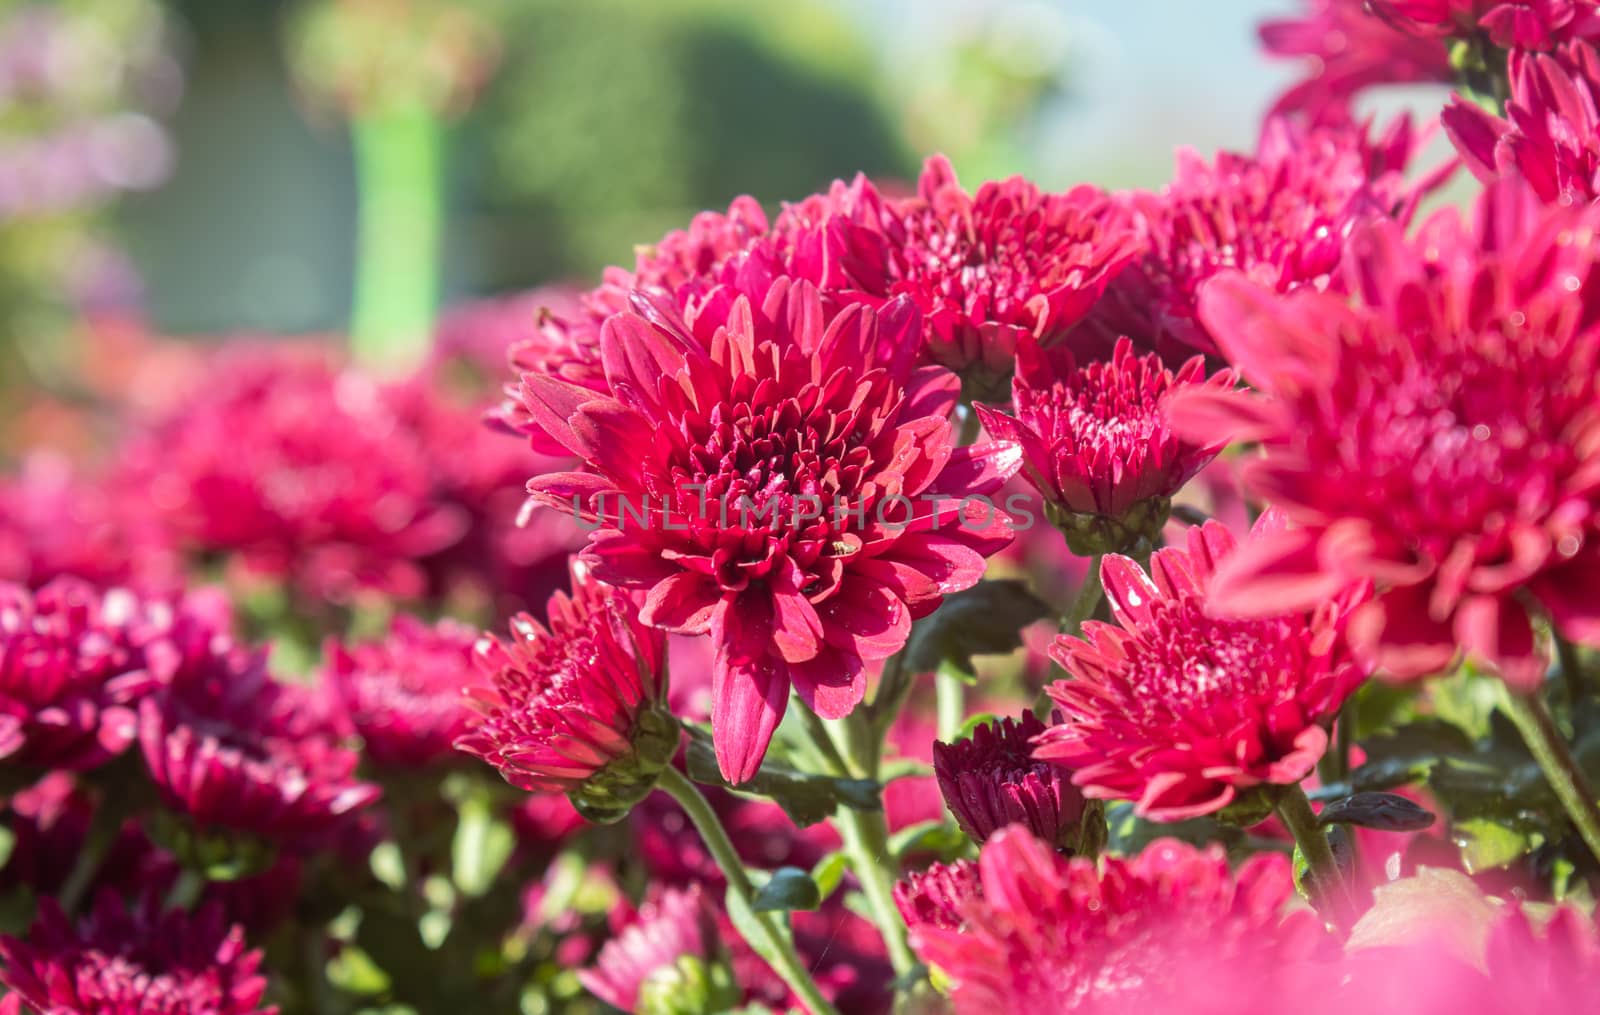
x=73 y=667
x=141 y=963
x=1346 y=49
x=1550 y=135
x=55 y=521
x=753 y=481
x=1282 y=216
x=576 y=706
x=667 y=959
x=1440 y=436
x=1181 y=710
x=991 y=779
x=1096 y=443
x=1166 y=931
x=299 y=469
x=986 y=269
x=939 y=896
x=402 y=695
x=236 y=752
x=1518 y=24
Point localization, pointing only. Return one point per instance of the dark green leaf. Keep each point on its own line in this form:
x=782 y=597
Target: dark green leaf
x=1386 y=812
x=789 y=888
x=986 y=619
x=806 y=798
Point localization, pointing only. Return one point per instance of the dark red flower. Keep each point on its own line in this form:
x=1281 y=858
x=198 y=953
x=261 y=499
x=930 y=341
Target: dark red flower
x=1166 y=931
x=1096 y=443
x=1440 y=436
x=670 y=952
x=939 y=896
x=141 y=963
x=752 y=481
x=300 y=469
x=1282 y=216
x=403 y=695
x=234 y=751
x=576 y=707
x=1550 y=135
x=74 y=664
x=1346 y=49
x=1182 y=710
x=991 y=780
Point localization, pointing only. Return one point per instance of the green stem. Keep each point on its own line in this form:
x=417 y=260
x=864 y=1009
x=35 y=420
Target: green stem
x=186 y=890
x=1555 y=759
x=866 y=842
x=777 y=946
x=398 y=157
x=820 y=740
x=104 y=828
x=1330 y=890
x=1087 y=599
x=950 y=701
x=970 y=425
x=1572 y=674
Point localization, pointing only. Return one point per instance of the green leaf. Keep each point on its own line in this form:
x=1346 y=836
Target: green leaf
x=986 y=619
x=483 y=843
x=829 y=872
x=806 y=798
x=973 y=722
x=1486 y=844
x=788 y=889
x=945 y=841
x=1386 y=812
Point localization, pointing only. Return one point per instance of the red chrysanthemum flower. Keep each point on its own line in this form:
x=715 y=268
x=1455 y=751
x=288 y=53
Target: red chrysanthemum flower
x=1182 y=710
x=1170 y=930
x=1440 y=436
x=986 y=269
x=939 y=896
x=237 y=752
x=755 y=482
x=991 y=780
x=576 y=707
x=402 y=695
x=1282 y=216
x=1346 y=49
x=1550 y=135
x=74 y=664
x=669 y=953
x=141 y=963
x=300 y=469
x=1096 y=443
x=561 y=338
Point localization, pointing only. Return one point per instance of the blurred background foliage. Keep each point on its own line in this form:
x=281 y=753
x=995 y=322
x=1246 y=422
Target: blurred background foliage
x=202 y=166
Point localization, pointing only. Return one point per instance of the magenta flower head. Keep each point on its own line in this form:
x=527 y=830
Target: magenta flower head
x=402 y=695
x=1439 y=436
x=73 y=667
x=244 y=759
x=117 y=962
x=1281 y=216
x=985 y=269
x=1184 y=711
x=1096 y=443
x=1169 y=930
x=576 y=707
x=1346 y=49
x=756 y=477
x=1509 y=24
x=668 y=961
x=1550 y=135
x=298 y=471
x=938 y=896
x=991 y=780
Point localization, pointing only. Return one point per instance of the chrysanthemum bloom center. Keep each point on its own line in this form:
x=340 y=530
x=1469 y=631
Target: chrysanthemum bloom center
x=1000 y=261
x=1203 y=671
